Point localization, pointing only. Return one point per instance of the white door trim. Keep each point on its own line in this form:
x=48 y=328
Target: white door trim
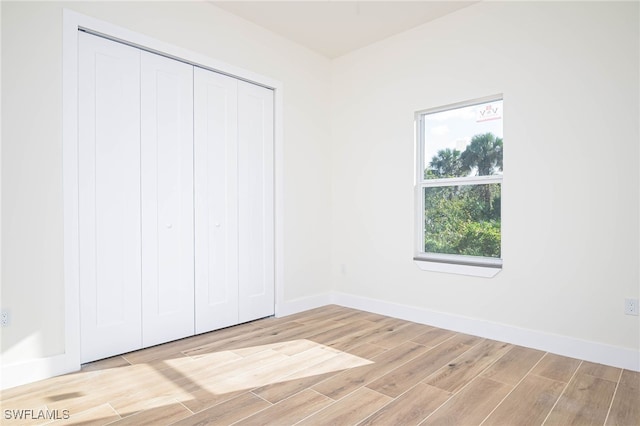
x=72 y=22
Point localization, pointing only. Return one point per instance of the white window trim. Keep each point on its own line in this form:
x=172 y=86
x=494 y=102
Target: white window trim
x=450 y=268
x=437 y=262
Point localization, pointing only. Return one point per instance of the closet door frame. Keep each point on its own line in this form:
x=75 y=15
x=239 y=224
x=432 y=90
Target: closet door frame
x=74 y=22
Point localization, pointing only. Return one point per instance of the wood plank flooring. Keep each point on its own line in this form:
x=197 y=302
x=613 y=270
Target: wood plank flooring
x=332 y=366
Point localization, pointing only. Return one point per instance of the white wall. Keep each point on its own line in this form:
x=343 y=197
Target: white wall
x=32 y=243
x=569 y=74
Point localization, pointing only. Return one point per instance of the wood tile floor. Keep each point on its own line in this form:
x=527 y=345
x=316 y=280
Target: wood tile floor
x=334 y=366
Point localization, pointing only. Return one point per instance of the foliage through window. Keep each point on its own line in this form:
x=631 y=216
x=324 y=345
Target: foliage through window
x=459 y=180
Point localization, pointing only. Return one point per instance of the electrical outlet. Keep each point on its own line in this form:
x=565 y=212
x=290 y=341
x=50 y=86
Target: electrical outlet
x=5 y=319
x=631 y=306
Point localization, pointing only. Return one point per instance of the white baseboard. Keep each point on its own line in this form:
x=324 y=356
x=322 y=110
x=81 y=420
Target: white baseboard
x=562 y=345
x=17 y=374
x=30 y=371
x=303 y=304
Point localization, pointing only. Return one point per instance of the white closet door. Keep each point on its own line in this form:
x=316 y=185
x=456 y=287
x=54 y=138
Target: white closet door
x=167 y=199
x=216 y=200
x=256 y=209
x=109 y=197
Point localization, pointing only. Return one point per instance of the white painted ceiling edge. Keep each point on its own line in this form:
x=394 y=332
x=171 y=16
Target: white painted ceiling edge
x=334 y=28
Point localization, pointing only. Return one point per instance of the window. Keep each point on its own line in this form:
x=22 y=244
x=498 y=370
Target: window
x=458 y=186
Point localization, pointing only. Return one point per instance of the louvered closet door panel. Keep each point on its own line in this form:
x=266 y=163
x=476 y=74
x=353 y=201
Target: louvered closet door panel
x=109 y=197
x=167 y=199
x=256 y=214
x=216 y=199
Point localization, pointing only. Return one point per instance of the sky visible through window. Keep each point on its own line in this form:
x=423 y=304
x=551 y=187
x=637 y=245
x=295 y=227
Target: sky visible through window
x=454 y=128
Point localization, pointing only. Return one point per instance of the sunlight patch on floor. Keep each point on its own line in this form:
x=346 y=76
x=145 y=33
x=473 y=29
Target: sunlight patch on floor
x=256 y=366
x=196 y=379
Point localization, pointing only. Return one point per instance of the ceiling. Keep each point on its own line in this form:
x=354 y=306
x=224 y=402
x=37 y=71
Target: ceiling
x=333 y=28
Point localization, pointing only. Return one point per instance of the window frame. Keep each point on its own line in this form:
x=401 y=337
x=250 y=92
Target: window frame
x=440 y=262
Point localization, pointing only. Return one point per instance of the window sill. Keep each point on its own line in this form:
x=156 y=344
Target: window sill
x=453 y=268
